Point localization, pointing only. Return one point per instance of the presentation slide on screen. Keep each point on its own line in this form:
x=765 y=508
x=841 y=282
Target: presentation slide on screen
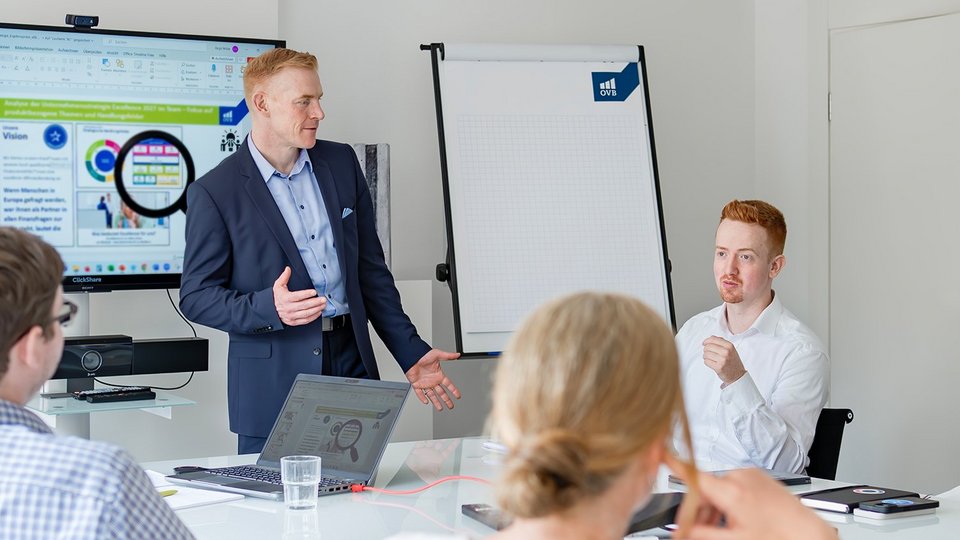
x=69 y=102
x=344 y=427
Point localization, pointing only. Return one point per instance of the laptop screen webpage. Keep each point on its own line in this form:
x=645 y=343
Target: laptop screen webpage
x=346 y=424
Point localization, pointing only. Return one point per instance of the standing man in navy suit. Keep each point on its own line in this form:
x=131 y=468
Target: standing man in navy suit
x=282 y=253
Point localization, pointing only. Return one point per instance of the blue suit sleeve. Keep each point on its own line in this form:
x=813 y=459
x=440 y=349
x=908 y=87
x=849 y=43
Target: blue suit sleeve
x=205 y=293
x=380 y=296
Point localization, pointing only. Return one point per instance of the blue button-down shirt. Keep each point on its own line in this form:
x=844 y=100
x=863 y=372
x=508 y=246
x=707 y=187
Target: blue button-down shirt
x=301 y=204
x=65 y=487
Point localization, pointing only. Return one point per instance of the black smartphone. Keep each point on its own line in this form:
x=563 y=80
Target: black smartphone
x=899 y=505
x=490 y=516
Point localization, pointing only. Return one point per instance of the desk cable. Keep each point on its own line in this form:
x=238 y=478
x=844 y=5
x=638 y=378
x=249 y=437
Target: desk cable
x=357 y=488
x=190 y=378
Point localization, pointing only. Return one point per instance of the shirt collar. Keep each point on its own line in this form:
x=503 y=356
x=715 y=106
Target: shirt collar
x=267 y=171
x=12 y=414
x=766 y=323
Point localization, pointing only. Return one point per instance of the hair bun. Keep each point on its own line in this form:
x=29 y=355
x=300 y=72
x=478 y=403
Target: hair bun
x=546 y=473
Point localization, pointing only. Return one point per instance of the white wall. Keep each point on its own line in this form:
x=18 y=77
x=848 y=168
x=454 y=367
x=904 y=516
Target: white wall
x=791 y=146
x=247 y=18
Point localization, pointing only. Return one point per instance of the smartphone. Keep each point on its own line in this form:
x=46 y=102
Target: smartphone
x=899 y=507
x=490 y=516
x=900 y=504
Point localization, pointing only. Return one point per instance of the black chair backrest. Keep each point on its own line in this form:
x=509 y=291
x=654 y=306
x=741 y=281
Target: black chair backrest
x=825 y=450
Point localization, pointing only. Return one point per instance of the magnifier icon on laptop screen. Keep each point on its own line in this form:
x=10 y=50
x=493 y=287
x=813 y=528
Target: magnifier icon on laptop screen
x=347 y=437
x=152 y=173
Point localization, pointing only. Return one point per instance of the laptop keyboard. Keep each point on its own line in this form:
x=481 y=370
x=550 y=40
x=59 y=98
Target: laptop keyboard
x=264 y=475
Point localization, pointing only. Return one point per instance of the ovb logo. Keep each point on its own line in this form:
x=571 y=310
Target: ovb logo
x=613 y=86
x=608 y=88
x=231 y=116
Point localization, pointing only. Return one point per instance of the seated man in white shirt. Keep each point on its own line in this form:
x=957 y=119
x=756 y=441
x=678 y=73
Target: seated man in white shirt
x=50 y=486
x=755 y=378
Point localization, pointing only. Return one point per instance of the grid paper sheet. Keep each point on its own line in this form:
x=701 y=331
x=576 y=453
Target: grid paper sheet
x=550 y=192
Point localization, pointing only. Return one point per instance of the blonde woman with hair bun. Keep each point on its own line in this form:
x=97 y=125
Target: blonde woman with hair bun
x=585 y=399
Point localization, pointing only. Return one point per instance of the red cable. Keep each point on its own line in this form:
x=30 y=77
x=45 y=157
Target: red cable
x=357 y=488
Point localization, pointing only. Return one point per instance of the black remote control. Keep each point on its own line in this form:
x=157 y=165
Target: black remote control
x=122 y=393
x=128 y=395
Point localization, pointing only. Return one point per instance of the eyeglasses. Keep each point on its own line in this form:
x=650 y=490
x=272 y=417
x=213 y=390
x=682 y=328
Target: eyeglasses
x=67 y=313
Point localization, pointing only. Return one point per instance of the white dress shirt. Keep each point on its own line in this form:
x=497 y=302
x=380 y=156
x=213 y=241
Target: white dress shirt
x=767 y=418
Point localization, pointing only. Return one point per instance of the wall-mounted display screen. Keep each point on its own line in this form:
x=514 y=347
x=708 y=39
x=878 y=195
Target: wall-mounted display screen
x=71 y=99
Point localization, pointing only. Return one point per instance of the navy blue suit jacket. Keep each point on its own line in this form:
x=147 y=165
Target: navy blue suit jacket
x=237 y=246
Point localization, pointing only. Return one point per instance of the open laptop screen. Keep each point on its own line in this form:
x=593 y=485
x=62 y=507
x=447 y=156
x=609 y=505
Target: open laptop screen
x=344 y=421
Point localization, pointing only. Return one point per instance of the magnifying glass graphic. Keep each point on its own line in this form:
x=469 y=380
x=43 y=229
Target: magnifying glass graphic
x=149 y=174
x=347 y=437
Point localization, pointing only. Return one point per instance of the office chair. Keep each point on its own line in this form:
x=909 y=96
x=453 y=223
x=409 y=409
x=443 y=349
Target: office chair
x=825 y=451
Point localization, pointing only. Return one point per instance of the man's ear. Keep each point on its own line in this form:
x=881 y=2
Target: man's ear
x=260 y=102
x=777 y=265
x=24 y=351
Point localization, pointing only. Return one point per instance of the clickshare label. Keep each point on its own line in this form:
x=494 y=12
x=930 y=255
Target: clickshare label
x=616 y=86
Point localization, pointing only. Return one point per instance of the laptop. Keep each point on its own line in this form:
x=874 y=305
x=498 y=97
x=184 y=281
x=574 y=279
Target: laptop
x=347 y=422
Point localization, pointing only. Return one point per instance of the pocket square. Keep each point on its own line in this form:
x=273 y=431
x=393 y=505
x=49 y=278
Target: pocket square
x=346 y=212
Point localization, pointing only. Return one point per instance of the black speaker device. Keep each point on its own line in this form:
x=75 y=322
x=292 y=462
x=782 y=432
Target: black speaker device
x=95 y=356
x=101 y=356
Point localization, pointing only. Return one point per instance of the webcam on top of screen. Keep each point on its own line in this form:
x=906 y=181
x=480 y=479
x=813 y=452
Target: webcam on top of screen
x=82 y=21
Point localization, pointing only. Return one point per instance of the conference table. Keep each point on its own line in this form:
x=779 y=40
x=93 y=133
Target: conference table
x=409 y=465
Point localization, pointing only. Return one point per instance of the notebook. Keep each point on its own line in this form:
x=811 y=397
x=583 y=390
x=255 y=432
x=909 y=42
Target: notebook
x=186 y=497
x=347 y=422
x=845 y=499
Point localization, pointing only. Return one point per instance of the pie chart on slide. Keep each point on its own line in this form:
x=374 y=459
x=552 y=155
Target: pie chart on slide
x=101 y=157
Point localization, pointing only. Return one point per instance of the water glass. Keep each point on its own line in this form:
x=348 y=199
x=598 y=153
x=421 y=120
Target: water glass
x=301 y=478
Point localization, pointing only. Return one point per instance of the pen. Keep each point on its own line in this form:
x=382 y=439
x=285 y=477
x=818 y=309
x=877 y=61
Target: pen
x=167 y=492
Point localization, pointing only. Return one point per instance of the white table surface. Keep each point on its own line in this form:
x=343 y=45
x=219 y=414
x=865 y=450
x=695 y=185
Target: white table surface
x=409 y=465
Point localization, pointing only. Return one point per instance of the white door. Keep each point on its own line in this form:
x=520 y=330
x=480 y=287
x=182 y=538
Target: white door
x=894 y=257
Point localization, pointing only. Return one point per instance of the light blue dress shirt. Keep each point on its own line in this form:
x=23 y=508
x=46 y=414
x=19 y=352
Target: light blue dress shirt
x=65 y=487
x=301 y=204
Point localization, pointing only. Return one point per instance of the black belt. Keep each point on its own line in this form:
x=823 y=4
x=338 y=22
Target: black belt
x=335 y=323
